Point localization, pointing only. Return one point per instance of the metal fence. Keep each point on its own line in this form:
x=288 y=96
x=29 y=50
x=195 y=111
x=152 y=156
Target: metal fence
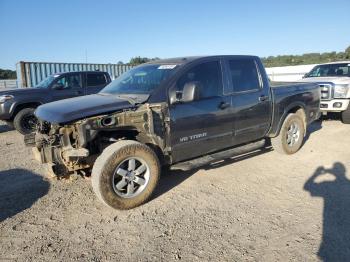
x=30 y=74
x=288 y=73
x=8 y=83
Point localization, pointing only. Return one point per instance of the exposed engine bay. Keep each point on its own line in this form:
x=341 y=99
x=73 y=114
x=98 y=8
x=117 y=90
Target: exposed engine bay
x=73 y=147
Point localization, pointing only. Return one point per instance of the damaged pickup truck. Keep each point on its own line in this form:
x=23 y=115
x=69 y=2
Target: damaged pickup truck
x=180 y=113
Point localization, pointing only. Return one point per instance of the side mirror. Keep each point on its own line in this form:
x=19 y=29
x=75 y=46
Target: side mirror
x=304 y=76
x=190 y=92
x=58 y=86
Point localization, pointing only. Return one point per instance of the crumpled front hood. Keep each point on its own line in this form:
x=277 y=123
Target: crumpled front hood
x=77 y=108
x=331 y=79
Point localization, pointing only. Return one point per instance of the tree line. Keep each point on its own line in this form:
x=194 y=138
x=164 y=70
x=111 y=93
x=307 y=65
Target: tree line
x=7 y=74
x=305 y=59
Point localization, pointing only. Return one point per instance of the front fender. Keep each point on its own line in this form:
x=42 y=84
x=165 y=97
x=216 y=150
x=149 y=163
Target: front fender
x=22 y=104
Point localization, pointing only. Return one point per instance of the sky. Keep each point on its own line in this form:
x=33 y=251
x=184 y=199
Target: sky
x=108 y=31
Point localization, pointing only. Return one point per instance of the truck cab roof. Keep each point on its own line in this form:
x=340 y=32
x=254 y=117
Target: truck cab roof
x=189 y=59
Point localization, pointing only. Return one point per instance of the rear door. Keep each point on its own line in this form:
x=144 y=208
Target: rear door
x=70 y=86
x=95 y=82
x=250 y=99
x=204 y=125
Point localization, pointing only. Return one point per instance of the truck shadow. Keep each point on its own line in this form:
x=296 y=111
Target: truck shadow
x=314 y=127
x=172 y=178
x=335 y=244
x=4 y=127
x=19 y=190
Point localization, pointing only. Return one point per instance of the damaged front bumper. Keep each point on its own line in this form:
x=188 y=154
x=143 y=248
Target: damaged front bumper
x=56 y=150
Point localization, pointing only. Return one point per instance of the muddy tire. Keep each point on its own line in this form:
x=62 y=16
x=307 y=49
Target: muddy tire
x=25 y=121
x=10 y=124
x=290 y=138
x=345 y=116
x=125 y=175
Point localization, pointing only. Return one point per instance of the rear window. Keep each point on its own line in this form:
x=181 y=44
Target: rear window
x=95 y=80
x=244 y=75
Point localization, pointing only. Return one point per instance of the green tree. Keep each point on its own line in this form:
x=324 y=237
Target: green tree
x=141 y=60
x=7 y=74
x=347 y=53
x=138 y=60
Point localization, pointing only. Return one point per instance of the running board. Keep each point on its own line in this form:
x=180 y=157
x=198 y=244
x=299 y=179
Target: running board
x=208 y=159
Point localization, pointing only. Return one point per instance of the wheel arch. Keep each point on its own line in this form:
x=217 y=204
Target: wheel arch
x=18 y=107
x=134 y=134
x=296 y=108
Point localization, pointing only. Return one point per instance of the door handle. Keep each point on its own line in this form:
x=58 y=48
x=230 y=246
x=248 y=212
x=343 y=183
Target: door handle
x=263 y=98
x=224 y=105
x=78 y=92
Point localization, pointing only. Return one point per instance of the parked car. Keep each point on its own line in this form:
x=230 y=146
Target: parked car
x=334 y=80
x=17 y=106
x=178 y=113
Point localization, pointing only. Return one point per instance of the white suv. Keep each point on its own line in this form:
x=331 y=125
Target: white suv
x=334 y=81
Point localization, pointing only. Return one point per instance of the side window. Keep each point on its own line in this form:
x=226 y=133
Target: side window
x=95 y=80
x=244 y=75
x=209 y=76
x=70 y=81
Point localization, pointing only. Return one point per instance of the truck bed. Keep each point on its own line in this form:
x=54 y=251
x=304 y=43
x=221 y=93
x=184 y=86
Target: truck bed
x=305 y=95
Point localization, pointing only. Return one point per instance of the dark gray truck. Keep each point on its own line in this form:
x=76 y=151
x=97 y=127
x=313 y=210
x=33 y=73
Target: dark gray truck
x=17 y=105
x=179 y=113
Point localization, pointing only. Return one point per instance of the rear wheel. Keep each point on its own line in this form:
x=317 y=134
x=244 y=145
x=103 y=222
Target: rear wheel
x=125 y=175
x=345 y=116
x=25 y=121
x=291 y=135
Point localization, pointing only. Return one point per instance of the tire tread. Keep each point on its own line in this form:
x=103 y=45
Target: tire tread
x=345 y=116
x=18 y=118
x=104 y=159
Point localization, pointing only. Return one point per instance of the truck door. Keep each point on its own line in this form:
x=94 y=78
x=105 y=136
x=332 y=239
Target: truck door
x=67 y=86
x=95 y=81
x=251 y=100
x=204 y=125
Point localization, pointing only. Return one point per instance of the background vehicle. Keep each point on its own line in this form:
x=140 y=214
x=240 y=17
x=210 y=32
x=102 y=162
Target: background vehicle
x=17 y=106
x=182 y=113
x=334 y=80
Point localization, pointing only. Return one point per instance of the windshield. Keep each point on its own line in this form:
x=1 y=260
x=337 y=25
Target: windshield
x=140 y=80
x=342 y=69
x=45 y=83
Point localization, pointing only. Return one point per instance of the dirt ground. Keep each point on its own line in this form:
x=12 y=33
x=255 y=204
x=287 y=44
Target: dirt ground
x=260 y=207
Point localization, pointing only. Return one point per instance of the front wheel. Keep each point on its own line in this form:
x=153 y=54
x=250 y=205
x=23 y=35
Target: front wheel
x=125 y=175
x=25 y=121
x=345 y=116
x=290 y=138
x=9 y=124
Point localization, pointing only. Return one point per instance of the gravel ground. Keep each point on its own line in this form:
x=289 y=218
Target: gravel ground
x=260 y=207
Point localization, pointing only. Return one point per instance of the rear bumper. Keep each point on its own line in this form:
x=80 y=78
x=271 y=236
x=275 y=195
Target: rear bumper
x=334 y=105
